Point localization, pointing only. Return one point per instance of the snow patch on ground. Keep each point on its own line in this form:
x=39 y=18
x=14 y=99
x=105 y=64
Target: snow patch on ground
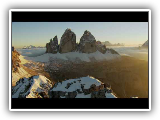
x=77 y=87
x=23 y=60
x=76 y=84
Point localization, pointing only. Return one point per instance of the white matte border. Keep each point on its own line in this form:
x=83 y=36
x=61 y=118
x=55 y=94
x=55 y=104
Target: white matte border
x=66 y=10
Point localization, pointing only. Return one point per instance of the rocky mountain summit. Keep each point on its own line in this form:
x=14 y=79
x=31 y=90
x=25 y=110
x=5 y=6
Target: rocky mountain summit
x=52 y=46
x=68 y=43
x=87 y=43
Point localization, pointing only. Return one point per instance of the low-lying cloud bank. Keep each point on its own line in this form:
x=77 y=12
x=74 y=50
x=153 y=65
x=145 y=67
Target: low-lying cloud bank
x=75 y=57
x=133 y=52
x=32 y=52
x=124 y=51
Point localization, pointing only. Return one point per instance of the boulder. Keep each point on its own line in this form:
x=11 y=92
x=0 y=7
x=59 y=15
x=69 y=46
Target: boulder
x=52 y=46
x=68 y=42
x=87 y=43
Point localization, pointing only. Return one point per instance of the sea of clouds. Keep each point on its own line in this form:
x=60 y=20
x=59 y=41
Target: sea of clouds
x=125 y=51
x=32 y=52
x=133 y=52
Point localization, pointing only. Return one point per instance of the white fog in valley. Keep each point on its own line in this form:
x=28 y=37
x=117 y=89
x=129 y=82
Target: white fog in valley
x=32 y=52
x=133 y=52
x=122 y=50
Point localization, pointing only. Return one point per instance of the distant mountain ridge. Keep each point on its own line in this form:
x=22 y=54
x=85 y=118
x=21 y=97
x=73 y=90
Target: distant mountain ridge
x=145 y=45
x=107 y=43
x=31 y=47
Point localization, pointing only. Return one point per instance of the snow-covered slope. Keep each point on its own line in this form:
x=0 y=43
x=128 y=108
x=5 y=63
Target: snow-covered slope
x=18 y=70
x=33 y=87
x=85 y=87
x=19 y=74
x=41 y=87
x=23 y=60
x=73 y=56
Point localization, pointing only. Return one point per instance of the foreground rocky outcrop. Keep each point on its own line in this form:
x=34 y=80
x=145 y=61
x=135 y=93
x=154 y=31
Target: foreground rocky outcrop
x=32 y=87
x=41 y=87
x=68 y=42
x=84 y=87
x=15 y=60
x=18 y=70
x=52 y=46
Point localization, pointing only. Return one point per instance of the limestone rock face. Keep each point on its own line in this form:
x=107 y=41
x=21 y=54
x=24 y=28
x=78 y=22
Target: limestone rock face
x=68 y=42
x=100 y=47
x=52 y=46
x=15 y=60
x=87 y=43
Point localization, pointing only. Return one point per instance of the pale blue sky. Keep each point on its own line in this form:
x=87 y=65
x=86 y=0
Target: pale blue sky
x=39 y=33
